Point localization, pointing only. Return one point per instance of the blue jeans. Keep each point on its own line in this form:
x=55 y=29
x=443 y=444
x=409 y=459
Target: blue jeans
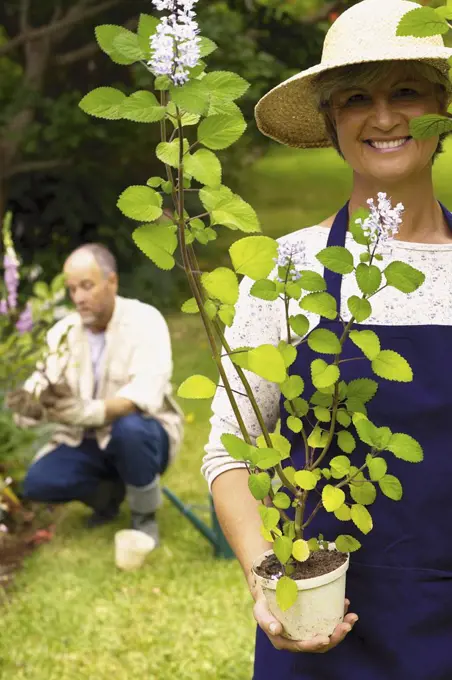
x=137 y=452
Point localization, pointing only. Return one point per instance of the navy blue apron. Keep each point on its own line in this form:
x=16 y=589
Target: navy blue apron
x=400 y=581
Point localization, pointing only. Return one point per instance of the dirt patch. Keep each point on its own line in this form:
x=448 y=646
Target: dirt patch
x=29 y=527
x=319 y=563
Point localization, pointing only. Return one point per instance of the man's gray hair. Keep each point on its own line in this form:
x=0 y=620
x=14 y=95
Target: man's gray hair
x=104 y=257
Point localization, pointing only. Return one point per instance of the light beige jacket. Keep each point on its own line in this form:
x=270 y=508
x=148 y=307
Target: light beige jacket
x=136 y=365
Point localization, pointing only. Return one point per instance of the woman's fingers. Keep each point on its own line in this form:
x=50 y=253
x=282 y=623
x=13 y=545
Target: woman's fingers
x=318 y=645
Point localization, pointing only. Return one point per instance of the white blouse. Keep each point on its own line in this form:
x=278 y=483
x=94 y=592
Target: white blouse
x=260 y=322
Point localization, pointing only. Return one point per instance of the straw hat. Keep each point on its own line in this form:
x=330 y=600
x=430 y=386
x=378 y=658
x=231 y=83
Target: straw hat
x=364 y=33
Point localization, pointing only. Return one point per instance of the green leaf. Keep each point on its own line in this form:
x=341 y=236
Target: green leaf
x=301 y=550
x=347 y=544
x=168 y=152
x=140 y=203
x=346 y=441
x=222 y=284
x=259 y=485
x=239 y=356
x=105 y=36
x=162 y=83
x=264 y=289
x=297 y=407
x=402 y=276
x=127 y=46
x=281 y=444
x=204 y=166
x=236 y=447
x=190 y=306
x=343 y=418
x=270 y=517
x=104 y=102
x=322 y=414
x=430 y=125
x=332 y=498
x=225 y=85
x=337 y=259
x=282 y=547
x=367 y=341
x=158 y=242
x=422 y=22
x=406 y=448
x=292 y=387
x=142 y=107
x=266 y=458
x=186 y=118
x=286 y=593
x=191 y=97
x=154 y=182
x=362 y=518
x=305 y=479
x=368 y=277
x=197 y=387
x=340 y=466
x=299 y=324
x=320 y=303
x=227 y=314
x=377 y=468
x=288 y=353
x=363 y=389
x=281 y=500
x=324 y=341
x=343 y=513
x=360 y=309
x=323 y=374
x=220 y=132
x=391 y=487
x=267 y=362
x=391 y=366
x=235 y=213
x=363 y=493
x=355 y=229
x=312 y=281
x=322 y=399
x=210 y=309
x=253 y=256
x=147 y=27
x=206 y=46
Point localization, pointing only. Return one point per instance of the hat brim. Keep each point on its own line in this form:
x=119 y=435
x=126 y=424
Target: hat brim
x=289 y=113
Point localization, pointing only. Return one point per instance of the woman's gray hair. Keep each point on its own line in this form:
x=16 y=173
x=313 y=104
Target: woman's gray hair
x=330 y=82
x=104 y=257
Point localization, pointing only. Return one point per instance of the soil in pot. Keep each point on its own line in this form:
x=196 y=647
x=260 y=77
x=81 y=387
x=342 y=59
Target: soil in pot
x=318 y=563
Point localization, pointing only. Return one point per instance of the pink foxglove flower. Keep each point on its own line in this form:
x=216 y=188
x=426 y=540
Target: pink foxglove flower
x=11 y=266
x=175 y=45
x=24 y=323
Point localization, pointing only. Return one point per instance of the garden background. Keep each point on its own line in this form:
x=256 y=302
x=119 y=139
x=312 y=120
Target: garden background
x=71 y=615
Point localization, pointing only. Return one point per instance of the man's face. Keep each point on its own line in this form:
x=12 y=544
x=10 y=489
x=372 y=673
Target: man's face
x=92 y=292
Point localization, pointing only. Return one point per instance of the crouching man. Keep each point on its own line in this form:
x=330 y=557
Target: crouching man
x=116 y=425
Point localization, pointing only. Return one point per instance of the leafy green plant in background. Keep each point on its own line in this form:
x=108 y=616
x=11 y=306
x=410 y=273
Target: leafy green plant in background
x=198 y=116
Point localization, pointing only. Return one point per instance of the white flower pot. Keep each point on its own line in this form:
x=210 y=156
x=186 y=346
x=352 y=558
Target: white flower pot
x=319 y=606
x=131 y=548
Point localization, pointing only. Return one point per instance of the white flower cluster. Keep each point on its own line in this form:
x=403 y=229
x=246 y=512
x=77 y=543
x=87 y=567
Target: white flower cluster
x=292 y=256
x=175 y=45
x=382 y=225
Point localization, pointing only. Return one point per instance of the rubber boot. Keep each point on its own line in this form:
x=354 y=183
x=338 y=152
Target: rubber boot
x=144 y=501
x=105 y=502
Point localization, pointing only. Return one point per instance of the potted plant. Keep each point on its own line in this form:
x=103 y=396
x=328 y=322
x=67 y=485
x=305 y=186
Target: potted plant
x=348 y=457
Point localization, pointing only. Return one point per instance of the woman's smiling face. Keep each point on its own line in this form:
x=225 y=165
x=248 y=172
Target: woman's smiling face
x=372 y=125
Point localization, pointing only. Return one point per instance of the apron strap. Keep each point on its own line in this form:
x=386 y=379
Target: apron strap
x=336 y=237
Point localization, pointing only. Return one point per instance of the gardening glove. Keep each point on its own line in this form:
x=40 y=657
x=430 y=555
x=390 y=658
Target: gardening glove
x=273 y=628
x=78 y=412
x=25 y=404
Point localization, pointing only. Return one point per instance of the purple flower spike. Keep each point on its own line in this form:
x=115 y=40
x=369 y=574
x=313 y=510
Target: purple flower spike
x=3 y=307
x=11 y=266
x=24 y=323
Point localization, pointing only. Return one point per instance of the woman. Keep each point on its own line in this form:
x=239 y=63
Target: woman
x=361 y=99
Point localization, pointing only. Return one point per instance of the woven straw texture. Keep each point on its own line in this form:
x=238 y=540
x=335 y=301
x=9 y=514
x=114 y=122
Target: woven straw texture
x=366 y=32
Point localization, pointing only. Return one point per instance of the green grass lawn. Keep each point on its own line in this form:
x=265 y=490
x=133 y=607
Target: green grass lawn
x=186 y=616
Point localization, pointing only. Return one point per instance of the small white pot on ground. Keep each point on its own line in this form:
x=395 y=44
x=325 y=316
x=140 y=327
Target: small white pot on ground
x=319 y=607
x=131 y=548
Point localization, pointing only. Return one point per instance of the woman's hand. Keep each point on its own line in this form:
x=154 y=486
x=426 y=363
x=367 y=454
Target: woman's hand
x=273 y=628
